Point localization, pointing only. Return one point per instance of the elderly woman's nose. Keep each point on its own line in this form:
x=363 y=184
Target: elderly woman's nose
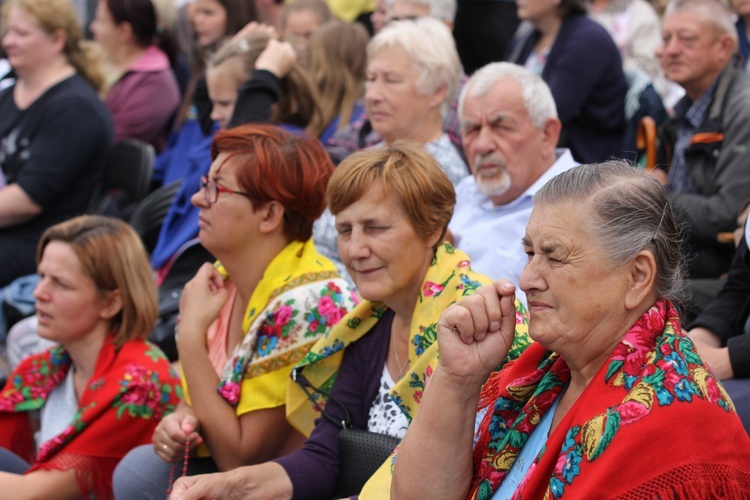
x=358 y=246
x=530 y=278
x=372 y=90
x=199 y=198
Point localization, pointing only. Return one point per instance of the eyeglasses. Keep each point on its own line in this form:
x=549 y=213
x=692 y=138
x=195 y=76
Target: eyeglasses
x=211 y=190
x=404 y=18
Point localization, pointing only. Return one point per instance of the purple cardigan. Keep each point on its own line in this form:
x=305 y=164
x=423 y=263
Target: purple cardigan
x=144 y=99
x=314 y=468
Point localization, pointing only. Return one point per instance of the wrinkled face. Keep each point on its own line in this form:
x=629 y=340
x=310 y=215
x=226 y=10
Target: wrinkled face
x=693 y=52
x=209 y=22
x=230 y=224
x=26 y=44
x=536 y=10
x=395 y=107
x=505 y=151
x=573 y=290
x=105 y=30
x=69 y=306
x=222 y=82
x=383 y=253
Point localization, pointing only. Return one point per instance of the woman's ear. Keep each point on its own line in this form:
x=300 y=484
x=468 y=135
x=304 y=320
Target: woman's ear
x=59 y=38
x=273 y=217
x=112 y=304
x=438 y=96
x=642 y=279
x=433 y=240
x=125 y=31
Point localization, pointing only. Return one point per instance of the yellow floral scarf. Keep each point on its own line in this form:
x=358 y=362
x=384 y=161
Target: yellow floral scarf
x=299 y=298
x=448 y=278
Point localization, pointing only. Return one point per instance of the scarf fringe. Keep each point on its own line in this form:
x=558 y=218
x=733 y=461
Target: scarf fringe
x=93 y=474
x=705 y=481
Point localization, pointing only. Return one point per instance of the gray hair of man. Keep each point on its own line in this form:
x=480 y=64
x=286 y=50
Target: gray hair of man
x=712 y=12
x=444 y=10
x=430 y=46
x=629 y=212
x=537 y=97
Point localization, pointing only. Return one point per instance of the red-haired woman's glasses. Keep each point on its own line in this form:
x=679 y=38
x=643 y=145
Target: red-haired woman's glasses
x=211 y=190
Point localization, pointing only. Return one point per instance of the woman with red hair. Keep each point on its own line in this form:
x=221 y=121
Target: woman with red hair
x=247 y=319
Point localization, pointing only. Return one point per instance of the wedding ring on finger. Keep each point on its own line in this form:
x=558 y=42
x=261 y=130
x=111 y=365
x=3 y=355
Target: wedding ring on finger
x=164 y=447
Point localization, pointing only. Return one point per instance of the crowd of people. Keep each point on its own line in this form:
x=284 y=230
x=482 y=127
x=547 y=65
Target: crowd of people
x=425 y=225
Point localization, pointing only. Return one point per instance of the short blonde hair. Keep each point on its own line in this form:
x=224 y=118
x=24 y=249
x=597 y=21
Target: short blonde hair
x=405 y=169
x=53 y=15
x=112 y=255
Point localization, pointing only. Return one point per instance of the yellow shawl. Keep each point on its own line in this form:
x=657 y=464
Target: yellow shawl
x=299 y=298
x=448 y=278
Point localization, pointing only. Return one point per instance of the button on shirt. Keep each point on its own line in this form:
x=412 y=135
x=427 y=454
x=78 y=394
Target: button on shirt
x=491 y=235
x=689 y=117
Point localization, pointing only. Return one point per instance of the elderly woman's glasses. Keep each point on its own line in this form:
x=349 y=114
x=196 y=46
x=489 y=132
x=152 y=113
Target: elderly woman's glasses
x=211 y=190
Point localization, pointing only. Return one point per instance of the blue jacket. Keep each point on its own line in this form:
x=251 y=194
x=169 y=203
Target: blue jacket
x=584 y=73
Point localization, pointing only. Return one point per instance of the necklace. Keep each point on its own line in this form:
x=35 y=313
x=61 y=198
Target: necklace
x=402 y=369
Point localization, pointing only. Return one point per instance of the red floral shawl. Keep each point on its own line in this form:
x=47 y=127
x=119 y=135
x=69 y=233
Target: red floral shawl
x=654 y=422
x=130 y=391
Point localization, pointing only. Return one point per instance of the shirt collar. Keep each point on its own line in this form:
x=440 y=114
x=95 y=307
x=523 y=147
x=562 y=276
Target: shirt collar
x=695 y=112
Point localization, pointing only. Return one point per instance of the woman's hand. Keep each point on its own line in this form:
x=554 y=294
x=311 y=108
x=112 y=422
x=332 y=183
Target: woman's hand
x=171 y=434
x=278 y=58
x=265 y=481
x=475 y=334
x=251 y=28
x=704 y=336
x=201 y=302
x=717 y=358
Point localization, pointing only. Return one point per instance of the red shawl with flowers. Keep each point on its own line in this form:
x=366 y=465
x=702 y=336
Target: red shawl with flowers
x=654 y=422
x=130 y=391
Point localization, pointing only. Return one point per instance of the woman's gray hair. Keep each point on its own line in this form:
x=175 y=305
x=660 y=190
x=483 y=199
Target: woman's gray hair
x=430 y=46
x=629 y=212
x=537 y=97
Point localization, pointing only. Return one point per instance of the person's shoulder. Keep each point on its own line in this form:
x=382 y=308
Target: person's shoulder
x=740 y=87
x=581 y=29
x=75 y=95
x=143 y=353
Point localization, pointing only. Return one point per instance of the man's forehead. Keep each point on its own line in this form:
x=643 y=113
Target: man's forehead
x=500 y=101
x=692 y=20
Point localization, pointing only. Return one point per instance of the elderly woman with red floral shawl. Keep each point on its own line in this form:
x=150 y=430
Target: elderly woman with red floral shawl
x=612 y=401
x=103 y=389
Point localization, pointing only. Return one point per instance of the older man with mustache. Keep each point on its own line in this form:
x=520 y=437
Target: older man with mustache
x=705 y=143
x=509 y=129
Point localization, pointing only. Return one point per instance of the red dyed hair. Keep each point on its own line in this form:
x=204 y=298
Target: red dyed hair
x=275 y=165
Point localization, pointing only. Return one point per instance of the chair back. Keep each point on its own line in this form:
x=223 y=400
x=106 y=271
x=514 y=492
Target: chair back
x=149 y=214
x=127 y=178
